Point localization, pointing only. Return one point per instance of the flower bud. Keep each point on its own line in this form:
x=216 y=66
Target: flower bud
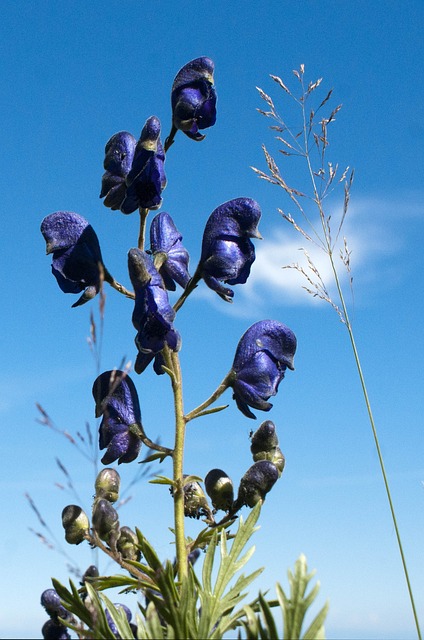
x=195 y=501
x=257 y=482
x=53 y=630
x=75 y=523
x=219 y=488
x=105 y=520
x=128 y=544
x=264 y=439
x=50 y=600
x=107 y=485
x=91 y=572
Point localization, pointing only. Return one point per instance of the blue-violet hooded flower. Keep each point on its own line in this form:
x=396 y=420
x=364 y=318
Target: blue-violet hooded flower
x=153 y=315
x=117 y=401
x=193 y=98
x=146 y=180
x=77 y=260
x=263 y=354
x=165 y=239
x=119 y=154
x=227 y=251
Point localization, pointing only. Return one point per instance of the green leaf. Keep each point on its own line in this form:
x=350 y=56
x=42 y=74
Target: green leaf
x=119 y=618
x=162 y=480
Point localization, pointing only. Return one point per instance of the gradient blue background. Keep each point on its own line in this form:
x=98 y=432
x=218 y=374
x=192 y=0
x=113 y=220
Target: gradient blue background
x=74 y=73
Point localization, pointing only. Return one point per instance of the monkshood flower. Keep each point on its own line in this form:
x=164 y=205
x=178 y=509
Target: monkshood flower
x=77 y=260
x=263 y=354
x=146 y=180
x=227 y=251
x=219 y=488
x=119 y=154
x=117 y=401
x=153 y=315
x=105 y=521
x=193 y=98
x=165 y=239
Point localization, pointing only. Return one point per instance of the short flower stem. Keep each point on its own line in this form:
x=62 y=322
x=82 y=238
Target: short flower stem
x=170 y=139
x=116 y=285
x=191 y=285
x=142 y=233
x=173 y=362
x=95 y=541
x=201 y=409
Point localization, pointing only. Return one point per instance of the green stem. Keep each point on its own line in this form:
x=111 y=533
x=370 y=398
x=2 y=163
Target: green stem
x=116 y=285
x=173 y=363
x=191 y=285
x=200 y=410
x=142 y=233
x=170 y=139
x=329 y=251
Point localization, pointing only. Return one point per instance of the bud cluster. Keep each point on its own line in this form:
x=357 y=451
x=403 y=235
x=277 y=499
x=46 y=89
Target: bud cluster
x=258 y=480
x=53 y=629
x=105 y=519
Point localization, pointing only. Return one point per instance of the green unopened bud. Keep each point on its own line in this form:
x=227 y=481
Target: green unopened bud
x=107 y=485
x=257 y=482
x=75 y=523
x=264 y=439
x=105 y=520
x=219 y=488
x=195 y=501
x=128 y=544
x=91 y=572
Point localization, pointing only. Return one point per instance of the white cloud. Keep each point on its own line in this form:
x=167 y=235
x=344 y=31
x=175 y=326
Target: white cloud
x=373 y=235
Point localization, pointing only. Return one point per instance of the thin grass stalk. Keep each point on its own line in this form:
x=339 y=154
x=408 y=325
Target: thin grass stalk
x=347 y=322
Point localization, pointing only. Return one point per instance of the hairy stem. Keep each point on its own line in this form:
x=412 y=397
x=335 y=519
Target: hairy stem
x=173 y=363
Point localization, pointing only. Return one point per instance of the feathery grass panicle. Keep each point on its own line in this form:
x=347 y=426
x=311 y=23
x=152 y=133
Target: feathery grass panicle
x=311 y=143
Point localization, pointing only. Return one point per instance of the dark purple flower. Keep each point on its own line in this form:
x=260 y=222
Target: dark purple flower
x=227 y=251
x=166 y=239
x=53 y=630
x=77 y=260
x=117 y=401
x=263 y=354
x=193 y=98
x=146 y=180
x=153 y=315
x=119 y=154
x=50 y=600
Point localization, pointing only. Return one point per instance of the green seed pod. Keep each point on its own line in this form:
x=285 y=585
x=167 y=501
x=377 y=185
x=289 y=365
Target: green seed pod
x=195 y=501
x=75 y=523
x=107 y=485
x=128 y=544
x=264 y=439
x=105 y=520
x=219 y=488
x=257 y=482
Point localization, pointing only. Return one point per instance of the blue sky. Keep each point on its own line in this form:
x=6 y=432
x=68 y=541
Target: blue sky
x=74 y=73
